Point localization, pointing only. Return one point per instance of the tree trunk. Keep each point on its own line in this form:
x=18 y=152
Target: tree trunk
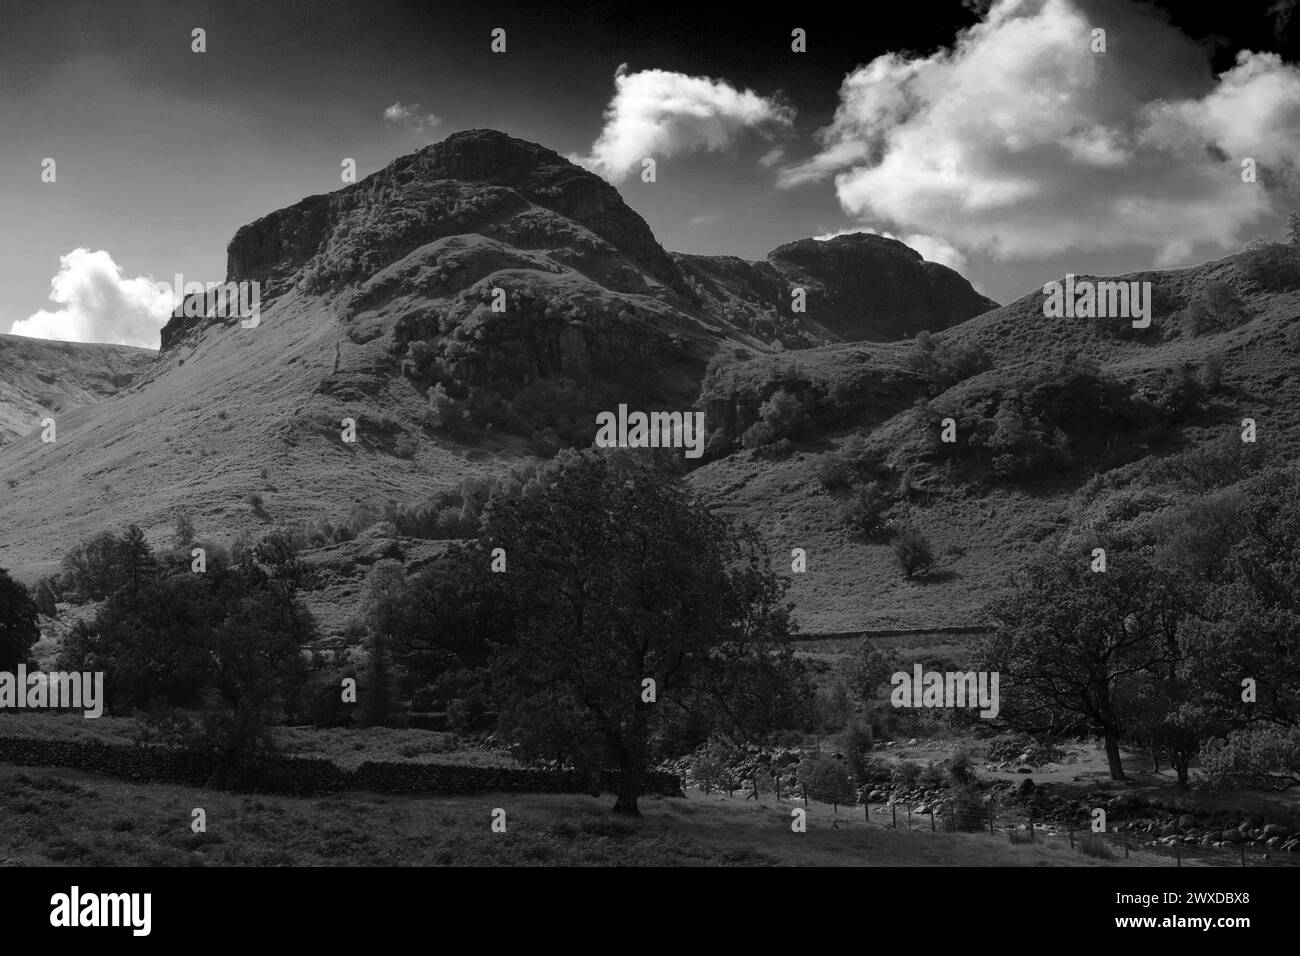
x=629 y=789
x=1112 y=755
x=1182 y=764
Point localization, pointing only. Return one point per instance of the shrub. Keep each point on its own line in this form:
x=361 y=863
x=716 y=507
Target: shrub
x=961 y=768
x=406 y=446
x=833 y=471
x=45 y=597
x=782 y=416
x=708 y=769
x=931 y=777
x=1223 y=303
x=857 y=750
x=912 y=551
x=907 y=773
x=944 y=364
x=1095 y=845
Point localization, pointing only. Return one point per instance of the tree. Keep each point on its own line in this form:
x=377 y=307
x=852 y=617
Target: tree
x=136 y=561
x=92 y=569
x=1293 y=228
x=182 y=529
x=1248 y=611
x=866 y=509
x=618 y=576
x=18 y=623
x=1069 y=641
x=385 y=595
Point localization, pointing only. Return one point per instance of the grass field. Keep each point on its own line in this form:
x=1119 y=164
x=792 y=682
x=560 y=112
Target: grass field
x=71 y=817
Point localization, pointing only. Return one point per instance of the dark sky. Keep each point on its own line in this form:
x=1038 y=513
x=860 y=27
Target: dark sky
x=163 y=153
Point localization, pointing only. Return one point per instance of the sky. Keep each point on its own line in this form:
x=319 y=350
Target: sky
x=991 y=136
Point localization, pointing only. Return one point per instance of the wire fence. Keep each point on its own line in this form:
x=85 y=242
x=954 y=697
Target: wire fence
x=1021 y=825
x=1021 y=821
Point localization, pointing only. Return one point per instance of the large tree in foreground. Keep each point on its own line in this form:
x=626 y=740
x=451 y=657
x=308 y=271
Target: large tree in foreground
x=617 y=578
x=1072 y=645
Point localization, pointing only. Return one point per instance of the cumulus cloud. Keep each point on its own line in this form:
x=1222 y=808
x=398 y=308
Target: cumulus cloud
x=1023 y=143
x=97 y=303
x=930 y=247
x=412 y=118
x=659 y=113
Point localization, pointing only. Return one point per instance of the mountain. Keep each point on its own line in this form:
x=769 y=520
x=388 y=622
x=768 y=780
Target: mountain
x=39 y=378
x=470 y=306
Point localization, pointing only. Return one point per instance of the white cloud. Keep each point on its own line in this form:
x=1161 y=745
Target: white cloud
x=98 y=304
x=412 y=118
x=1022 y=143
x=930 y=247
x=702 y=220
x=772 y=156
x=658 y=114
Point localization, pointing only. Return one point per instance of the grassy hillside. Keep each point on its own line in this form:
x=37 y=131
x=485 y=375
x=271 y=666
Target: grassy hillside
x=39 y=378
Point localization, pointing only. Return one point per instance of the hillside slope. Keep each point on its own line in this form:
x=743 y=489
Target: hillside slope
x=982 y=527
x=40 y=378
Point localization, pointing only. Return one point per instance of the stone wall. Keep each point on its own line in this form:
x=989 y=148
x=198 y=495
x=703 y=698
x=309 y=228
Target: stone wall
x=301 y=776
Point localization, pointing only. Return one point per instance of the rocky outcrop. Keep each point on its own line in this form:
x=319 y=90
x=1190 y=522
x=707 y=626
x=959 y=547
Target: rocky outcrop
x=863 y=286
